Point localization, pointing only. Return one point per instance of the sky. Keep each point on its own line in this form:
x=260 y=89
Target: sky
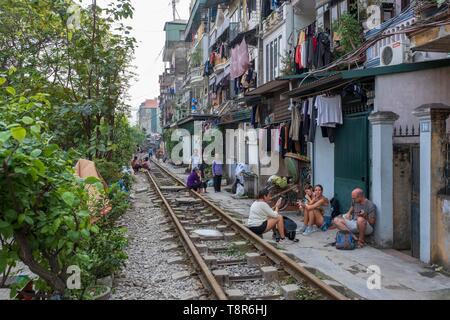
x=148 y=24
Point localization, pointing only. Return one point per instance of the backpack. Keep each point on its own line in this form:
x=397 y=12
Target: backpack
x=345 y=241
x=290 y=228
x=335 y=208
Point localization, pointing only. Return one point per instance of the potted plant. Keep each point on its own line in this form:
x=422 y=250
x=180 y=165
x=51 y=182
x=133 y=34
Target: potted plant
x=98 y=292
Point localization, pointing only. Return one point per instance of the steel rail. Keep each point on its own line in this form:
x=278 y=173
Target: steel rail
x=212 y=282
x=294 y=269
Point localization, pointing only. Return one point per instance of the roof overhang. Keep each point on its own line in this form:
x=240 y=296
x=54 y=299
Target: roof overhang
x=332 y=80
x=268 y=88
x=196 y=117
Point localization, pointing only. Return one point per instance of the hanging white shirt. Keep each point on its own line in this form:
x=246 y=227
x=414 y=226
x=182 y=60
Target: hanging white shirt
x=329 y=111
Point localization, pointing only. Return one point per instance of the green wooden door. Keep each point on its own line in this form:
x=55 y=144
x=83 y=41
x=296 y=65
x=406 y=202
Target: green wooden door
x=351 y=158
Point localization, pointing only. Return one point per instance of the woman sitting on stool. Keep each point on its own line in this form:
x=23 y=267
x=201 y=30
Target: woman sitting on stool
x=194 y=181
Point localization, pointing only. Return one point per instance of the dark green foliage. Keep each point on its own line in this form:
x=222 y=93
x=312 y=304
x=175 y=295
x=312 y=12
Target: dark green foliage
x=62 y=98
x=350 y=31
x=110 y=171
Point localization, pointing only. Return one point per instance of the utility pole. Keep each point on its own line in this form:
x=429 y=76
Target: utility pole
x=174 y=9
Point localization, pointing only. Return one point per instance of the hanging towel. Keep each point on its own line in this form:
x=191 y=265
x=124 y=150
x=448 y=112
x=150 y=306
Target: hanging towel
x=294 y=132
x=313 y=126
x=240 y=60
x=306 y=119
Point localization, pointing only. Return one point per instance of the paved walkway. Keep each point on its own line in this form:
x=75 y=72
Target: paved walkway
x=402 y=277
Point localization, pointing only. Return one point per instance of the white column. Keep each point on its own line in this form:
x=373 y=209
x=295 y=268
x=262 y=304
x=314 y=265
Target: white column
x=432 y=119
x=382 y=172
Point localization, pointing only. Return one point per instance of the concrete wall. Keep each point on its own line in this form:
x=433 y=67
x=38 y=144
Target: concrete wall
x=403 y=92
x=323 y=164
x=441 y=247
x=402 y=197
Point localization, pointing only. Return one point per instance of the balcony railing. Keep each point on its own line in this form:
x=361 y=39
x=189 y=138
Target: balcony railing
x=219 y=31
x=238 y=27
x=235 y=30
x=195 y=75
x=274 y=19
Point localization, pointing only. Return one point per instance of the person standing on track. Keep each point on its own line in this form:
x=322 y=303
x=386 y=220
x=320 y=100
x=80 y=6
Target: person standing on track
x=217 y=171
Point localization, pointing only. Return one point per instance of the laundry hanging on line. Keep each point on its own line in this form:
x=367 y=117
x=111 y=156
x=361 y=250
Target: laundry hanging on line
x=240 y=60
x=329 y=111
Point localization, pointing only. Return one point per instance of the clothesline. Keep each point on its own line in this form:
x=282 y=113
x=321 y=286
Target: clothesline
x=324 y=91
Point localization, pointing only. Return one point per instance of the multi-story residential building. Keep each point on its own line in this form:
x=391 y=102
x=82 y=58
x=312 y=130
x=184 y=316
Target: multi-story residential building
x=148 y=116
x=265 y=64
x=174 y=57
x=388 y=88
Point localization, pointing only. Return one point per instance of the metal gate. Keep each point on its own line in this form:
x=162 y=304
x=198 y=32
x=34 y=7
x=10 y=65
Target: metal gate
x=351 y=158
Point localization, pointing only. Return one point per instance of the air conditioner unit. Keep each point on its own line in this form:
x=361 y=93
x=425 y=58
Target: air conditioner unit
x=394 y=53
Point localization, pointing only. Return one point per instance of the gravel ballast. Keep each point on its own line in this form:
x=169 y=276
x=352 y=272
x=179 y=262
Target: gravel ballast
x=148 y=275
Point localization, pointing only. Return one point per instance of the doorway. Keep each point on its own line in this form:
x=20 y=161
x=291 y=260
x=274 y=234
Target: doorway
x=351 y=161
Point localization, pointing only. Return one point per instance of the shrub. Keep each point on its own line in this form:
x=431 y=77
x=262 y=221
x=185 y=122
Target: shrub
x=110 y=171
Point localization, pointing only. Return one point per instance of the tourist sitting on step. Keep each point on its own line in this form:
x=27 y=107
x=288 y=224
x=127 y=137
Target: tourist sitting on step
x=315 y=211
x=194 y=181
x=263 y=218
x=309 y=196
x=360 y=219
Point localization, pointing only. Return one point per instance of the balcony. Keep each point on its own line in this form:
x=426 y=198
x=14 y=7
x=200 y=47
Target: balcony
x=235 y=30
x=218 y=31
x=253 y=20
x=166 y=79
x=275 y=19
x=194 y=77
x=221 y=65
x=435 y=39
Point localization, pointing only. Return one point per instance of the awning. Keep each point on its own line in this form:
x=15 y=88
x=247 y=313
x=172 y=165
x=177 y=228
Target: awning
x=267 y=88
x=312 y=86
x=329 y=80
x=236 y=117
x=196 y=117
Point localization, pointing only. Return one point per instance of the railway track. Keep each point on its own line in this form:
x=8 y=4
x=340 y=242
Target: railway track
x=235 y=264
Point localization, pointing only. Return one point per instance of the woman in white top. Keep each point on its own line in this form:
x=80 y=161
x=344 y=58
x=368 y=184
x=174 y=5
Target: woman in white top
x=262 y=218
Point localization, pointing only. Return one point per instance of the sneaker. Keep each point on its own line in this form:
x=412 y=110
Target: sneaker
x=303 y=229
x=315 y=229
x=310 y=230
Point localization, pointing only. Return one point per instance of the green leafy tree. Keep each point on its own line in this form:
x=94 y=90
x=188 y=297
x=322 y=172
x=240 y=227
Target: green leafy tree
x=85 y=67
x=44 y=209
x=62 y=98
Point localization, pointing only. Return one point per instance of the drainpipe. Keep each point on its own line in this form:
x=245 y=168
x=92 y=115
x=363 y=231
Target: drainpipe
x=260 y=77
x=260 y=47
